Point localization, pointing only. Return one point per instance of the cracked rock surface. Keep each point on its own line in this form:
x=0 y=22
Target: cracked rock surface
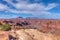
x=33 y=34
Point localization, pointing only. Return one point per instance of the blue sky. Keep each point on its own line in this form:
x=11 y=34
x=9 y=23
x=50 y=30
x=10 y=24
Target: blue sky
x=49 y=9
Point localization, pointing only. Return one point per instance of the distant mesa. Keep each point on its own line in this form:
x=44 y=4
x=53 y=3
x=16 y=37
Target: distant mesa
x=20 y=17
x=31 y=18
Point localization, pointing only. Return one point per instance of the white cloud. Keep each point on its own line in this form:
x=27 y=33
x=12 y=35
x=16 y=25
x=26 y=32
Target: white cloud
x=22 y=6
x=3 y=7
x=51 y=6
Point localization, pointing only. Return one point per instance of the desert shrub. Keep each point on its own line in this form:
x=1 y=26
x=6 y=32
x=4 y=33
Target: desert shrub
x=5 y=27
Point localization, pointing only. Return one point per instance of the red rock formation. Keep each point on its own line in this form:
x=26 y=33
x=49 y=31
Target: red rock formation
x=41 y=24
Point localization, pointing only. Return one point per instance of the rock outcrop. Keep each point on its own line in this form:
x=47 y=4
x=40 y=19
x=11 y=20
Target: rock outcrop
x=33 y=34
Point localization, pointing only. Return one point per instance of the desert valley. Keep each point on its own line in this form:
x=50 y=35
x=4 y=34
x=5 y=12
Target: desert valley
x=29 y=29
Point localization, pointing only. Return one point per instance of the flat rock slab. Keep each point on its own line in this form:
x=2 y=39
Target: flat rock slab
x=4 y=35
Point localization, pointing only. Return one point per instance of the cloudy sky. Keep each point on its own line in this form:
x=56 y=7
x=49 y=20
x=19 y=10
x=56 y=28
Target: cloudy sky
x=49 y=9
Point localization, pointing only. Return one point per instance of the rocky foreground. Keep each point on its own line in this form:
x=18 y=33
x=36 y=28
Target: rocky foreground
x=28 y=34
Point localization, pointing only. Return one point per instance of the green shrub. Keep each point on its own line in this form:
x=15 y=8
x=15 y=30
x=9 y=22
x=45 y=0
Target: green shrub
x=5 y=27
